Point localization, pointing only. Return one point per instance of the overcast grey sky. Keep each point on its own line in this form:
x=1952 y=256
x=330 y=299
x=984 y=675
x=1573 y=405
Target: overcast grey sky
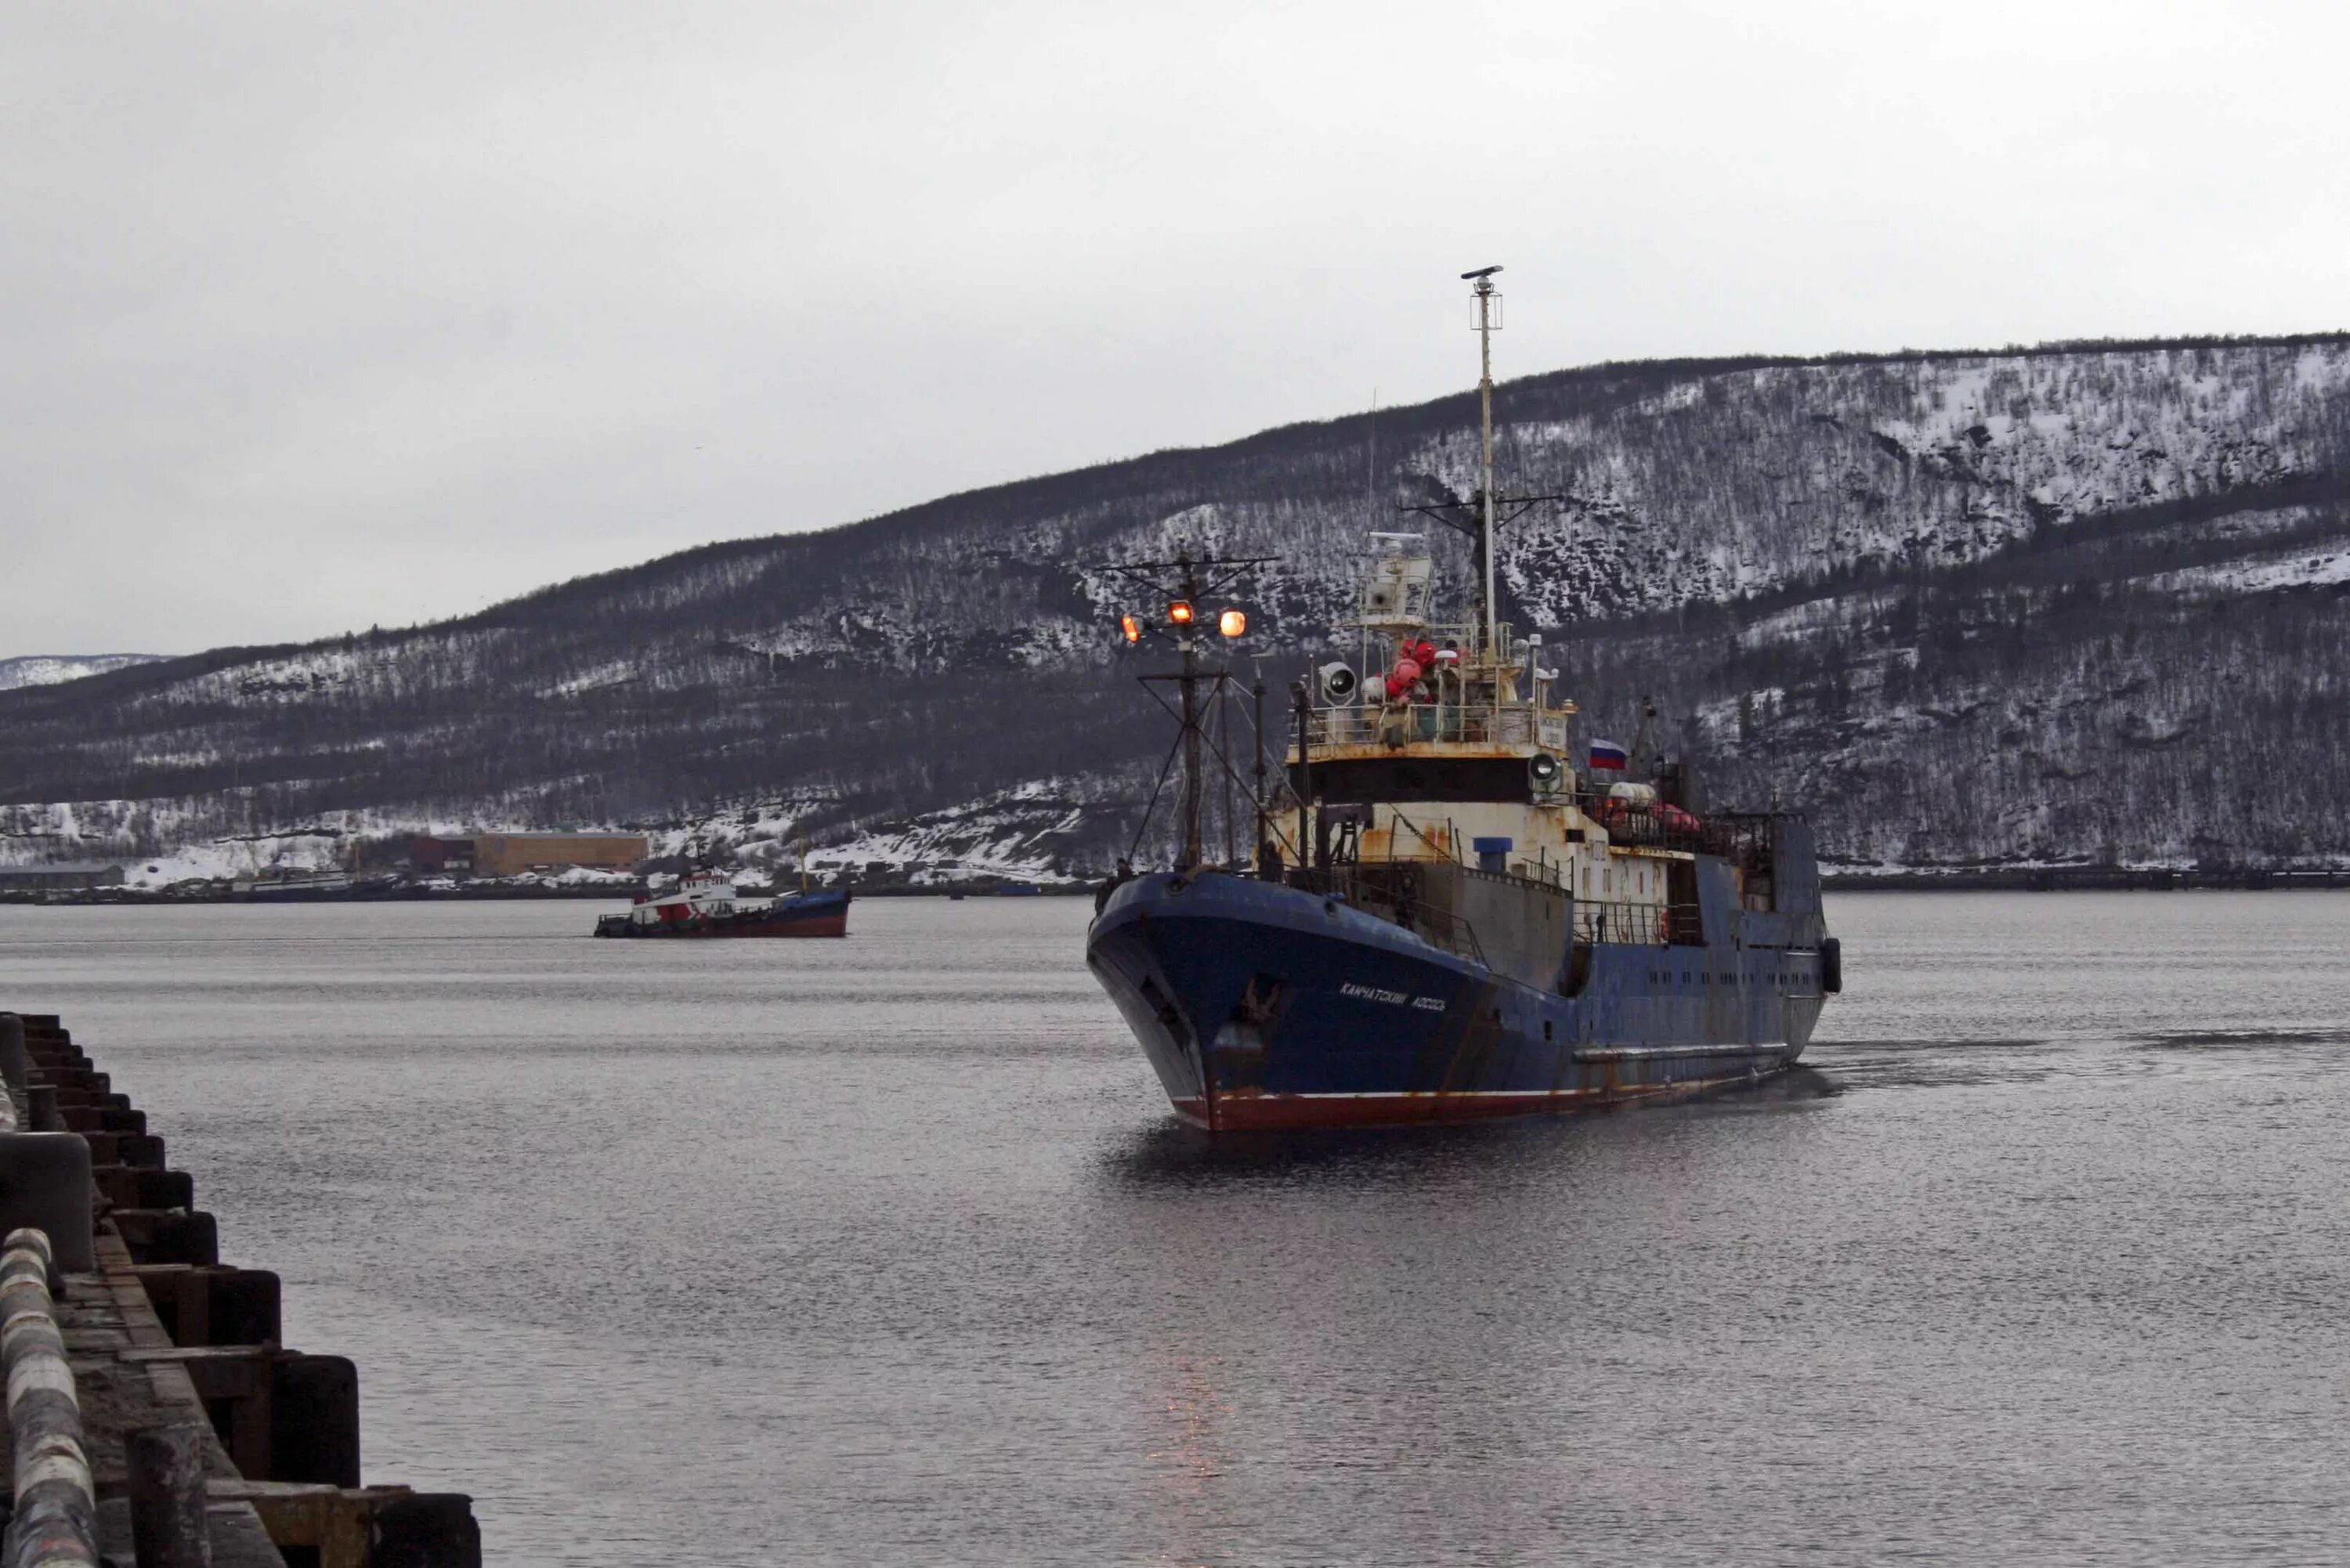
x=316 y=317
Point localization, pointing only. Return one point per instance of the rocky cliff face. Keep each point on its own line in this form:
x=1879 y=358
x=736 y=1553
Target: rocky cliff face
x=2069 y=603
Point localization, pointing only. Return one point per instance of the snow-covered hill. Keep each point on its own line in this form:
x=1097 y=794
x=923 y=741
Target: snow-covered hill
x=50 y=669
x=2046 y=602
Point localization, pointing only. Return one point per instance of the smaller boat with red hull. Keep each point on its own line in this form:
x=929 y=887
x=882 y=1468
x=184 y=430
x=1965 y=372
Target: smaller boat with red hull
x=707 y=905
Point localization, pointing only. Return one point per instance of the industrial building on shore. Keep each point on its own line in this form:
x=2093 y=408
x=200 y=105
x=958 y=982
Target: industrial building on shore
x=60 y=876
x=516 y=854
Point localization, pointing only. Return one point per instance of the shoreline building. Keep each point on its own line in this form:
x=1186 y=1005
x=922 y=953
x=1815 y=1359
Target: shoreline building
x=68 y=876
x=514 y=853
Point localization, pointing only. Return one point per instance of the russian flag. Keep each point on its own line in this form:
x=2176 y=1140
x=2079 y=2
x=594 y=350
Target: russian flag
x=1607 y=755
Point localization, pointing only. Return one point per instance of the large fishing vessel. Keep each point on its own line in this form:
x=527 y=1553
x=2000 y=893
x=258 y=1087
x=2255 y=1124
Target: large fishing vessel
x=1446 y=918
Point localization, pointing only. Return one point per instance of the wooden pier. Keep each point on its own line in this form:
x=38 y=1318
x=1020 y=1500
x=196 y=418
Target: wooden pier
x=178 y=1430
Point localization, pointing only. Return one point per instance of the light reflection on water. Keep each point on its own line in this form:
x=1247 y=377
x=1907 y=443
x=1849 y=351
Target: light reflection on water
x=885 y=1251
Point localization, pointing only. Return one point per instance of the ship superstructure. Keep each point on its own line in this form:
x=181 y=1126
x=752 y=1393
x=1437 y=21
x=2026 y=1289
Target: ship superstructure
x=1447 y=918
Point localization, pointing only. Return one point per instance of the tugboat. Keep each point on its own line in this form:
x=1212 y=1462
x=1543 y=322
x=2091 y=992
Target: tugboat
x=705 y=905
x=1459 y=923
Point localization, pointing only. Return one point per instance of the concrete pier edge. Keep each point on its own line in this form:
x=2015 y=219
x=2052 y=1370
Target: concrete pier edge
x=185 y=1400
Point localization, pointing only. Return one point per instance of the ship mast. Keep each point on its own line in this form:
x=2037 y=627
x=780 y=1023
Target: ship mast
x=1187 y=584
x=1483 y=279
x=1188 y=642
x=1480 y=516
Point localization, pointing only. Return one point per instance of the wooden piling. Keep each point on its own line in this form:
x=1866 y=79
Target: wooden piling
x=15 y=1061
x=41 y=1100
x=45 y=1185
x=168 y=1528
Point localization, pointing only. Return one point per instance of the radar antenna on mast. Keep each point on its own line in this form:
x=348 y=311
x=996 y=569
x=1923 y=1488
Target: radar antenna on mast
x=1479 y=518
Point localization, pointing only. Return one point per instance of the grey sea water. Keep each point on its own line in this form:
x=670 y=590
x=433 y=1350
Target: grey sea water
x=886 y=1252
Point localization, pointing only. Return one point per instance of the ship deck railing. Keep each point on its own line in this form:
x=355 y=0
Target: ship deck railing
x=1381 y=883
x=1396 y=724
x=1740 y=837
x=1608 y=923
x=1620 y=923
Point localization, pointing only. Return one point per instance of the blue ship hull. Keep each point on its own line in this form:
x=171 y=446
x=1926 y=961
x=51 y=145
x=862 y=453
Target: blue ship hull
x=1262 y=1005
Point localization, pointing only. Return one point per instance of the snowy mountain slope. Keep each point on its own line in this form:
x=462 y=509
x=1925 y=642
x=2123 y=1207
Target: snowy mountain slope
x=1845 y=538
x=50 y=669
x=1755 y=480
x=2185 y=717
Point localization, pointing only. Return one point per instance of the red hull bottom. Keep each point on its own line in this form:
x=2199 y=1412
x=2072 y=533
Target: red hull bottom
x=1274 y=1113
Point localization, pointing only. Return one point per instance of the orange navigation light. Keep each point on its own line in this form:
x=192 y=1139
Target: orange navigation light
x=1232 y=622
x=1131 y=627
x=1180 y=612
